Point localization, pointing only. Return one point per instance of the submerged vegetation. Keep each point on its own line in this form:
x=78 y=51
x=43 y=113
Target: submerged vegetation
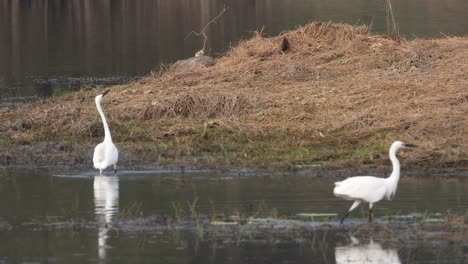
x=399 y=231
x=337 y=94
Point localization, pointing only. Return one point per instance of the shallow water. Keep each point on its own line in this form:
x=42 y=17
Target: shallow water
x=41 y=39
x=30 y=200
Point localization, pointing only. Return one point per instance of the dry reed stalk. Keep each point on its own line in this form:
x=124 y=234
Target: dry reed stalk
x=392 y=28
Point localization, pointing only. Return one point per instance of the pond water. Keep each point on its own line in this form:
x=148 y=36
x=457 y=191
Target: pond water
x=46 y=44
x=34 y=202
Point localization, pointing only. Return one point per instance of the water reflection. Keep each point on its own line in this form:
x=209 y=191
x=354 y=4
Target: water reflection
x=365 y=253
x=45 y=38
x=106 y=204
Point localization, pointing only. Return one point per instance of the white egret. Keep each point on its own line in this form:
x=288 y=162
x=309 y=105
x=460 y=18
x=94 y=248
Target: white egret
x=105 y=153
x=371 y=189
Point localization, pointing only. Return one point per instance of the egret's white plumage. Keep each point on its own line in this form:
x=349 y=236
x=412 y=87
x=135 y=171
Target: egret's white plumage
x=371 y=189
x=105 y=153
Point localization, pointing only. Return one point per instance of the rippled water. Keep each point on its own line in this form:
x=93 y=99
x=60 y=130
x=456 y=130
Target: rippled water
x=46 y=39
x=30 y=199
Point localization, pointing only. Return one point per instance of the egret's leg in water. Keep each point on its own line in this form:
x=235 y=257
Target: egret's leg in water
x=344 y=217
x=371 y=214
x=355 y=204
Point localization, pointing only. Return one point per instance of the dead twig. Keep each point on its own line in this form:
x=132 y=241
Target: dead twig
x=202 y=31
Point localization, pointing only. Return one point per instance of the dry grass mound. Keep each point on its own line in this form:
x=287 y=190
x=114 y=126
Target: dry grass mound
x=336 y=92
x=191 y=105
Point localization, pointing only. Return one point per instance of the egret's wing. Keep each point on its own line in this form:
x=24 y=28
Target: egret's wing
x=375 y=190
x=99 y=153
x=366 y=188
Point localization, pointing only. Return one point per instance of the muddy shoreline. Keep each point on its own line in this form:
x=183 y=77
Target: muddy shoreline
x=56 y=156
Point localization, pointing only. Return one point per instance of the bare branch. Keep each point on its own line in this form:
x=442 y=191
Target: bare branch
x=202 y=32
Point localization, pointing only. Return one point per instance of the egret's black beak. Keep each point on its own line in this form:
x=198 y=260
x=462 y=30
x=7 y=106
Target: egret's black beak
x=410 y=145
x=105 y=92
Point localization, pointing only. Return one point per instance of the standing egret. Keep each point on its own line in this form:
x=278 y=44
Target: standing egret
x=371 y=189
x=105 y=153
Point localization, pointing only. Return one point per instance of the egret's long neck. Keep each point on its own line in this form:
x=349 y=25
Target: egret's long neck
x=107 y=134
x=395 y=176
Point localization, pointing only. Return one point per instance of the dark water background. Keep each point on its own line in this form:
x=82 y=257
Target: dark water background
x=41 y=196
x=44 y=39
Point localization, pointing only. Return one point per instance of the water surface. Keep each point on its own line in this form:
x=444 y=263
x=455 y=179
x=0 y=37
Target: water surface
x=28 y=197
x=47 y=39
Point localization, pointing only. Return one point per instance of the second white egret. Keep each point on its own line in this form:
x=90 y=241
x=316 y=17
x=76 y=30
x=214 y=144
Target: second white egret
x=371 y=189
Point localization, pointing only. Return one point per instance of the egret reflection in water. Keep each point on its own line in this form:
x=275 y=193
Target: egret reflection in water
x=365 y=253
x=106 y=205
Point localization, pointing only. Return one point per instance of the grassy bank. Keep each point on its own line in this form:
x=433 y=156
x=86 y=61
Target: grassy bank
x=339 y=94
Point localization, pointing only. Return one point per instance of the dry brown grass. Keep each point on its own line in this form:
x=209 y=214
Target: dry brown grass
x=339 y=93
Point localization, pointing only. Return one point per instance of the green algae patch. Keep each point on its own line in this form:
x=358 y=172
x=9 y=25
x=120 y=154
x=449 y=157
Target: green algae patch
x=316 y=217
x=218 y=223
x=262 y=219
